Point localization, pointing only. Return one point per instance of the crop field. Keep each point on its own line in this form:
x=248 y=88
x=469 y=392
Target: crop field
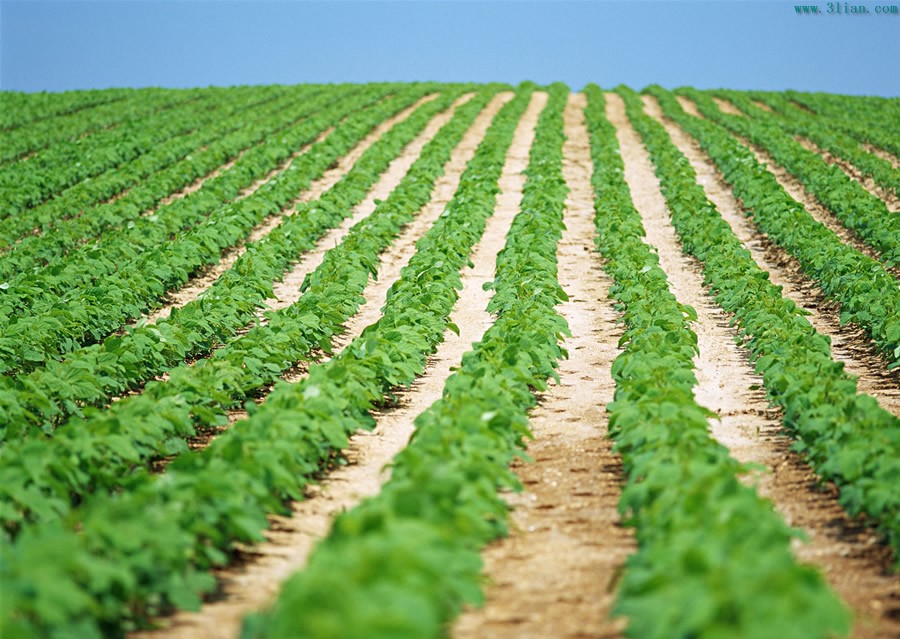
x=407 y=360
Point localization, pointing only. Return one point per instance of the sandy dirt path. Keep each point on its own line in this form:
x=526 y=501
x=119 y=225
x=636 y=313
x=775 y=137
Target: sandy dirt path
x=884 y=155
x=256 y=583
x=848 y=344
x=554 y=576
x=848 y=556
x=191 y=289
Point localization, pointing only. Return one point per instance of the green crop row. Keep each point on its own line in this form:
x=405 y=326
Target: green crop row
x=84 y=263
x=867 y=122
x=713 y=558
x=402 y=564
x=823 y=134
x=85 y=315
x=847 y=438
x=855 y=207
x=75 y=118
x=91 y=456
x=76 y=208
x=91 y=581
x=90 y=376
x=868 y=295
x=19 y=109
x=29 y=183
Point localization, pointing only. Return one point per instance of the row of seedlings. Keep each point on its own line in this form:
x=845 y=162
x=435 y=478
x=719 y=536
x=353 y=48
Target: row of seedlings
x=27 y=184
x=403 y=563
x=81 y=200
x=92 y=456
x=856 y=208
x=868 y=294
x=189 y=519
x=824 y=135
x=847 y=437
x=53 y=325
x=713 y=559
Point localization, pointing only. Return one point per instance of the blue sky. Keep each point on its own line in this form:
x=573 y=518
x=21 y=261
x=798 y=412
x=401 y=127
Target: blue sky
x=74 y=44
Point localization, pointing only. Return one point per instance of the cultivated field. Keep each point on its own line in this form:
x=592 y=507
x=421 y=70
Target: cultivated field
x=425 y=360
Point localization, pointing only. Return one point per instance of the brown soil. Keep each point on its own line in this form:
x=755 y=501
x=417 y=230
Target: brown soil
x=884 y=155
x=888 y=197
x=751 y=431
x=848 y=345
x=763 y=106
x=555 y=575
x=257 y=581
x=727 y=107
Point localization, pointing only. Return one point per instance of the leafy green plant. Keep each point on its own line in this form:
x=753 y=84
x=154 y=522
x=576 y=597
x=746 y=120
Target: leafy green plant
x=868 y=294
x=162 y=115
x=88 y=454
x=846 y=436
x=713 y=558
x=408 y=558
x=89 y=310
x=855 y=207
x=188 y=519
x=823 y=133
x=86 y=210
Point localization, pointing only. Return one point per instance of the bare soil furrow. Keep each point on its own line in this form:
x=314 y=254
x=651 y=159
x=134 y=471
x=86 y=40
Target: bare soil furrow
x=762 y=105
x=554 y=576
x=728 y=107
x=884 y=155
x=848 y=344
x=290 y=539
x=194 y=287
x=749 y=429
x=796 y=190
x=890 y=199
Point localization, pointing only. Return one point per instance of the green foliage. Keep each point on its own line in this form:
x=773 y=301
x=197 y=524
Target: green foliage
x=847 y=438
x=855 y=207
x=714 y=559
x=821 y=131
x=89 y=456
x=161 y=115
x=866 y=118
x=122 y=196
x=189 y=519
x=54 y=311
x=868 y=294
x=415 y=547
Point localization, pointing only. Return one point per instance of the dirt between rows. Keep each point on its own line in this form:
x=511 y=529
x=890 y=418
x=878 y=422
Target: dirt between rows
x=556 y=574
